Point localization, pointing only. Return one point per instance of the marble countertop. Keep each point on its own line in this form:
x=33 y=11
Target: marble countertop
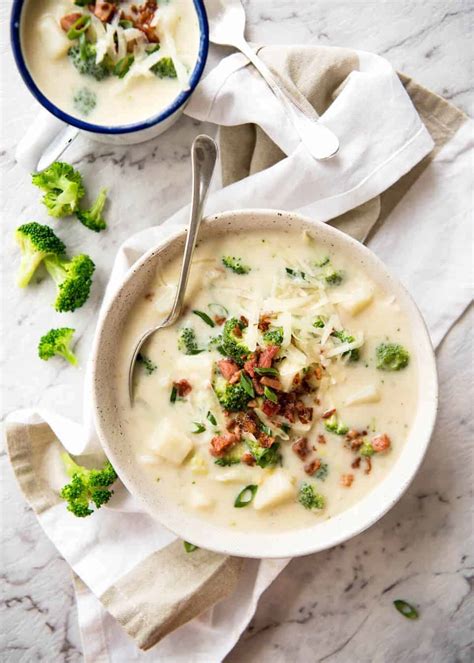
x=335 y=606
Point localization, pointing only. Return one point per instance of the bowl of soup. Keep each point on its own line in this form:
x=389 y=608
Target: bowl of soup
x=290 y=405
x=111 y=68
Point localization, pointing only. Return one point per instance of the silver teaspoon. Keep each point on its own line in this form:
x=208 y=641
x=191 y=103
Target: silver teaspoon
x=203 y=161
x=227 y=27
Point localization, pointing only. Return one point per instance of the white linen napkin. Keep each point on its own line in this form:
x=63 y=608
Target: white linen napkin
x=423 y=240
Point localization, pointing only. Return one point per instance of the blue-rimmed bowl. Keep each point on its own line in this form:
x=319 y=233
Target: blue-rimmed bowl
x=128 y=133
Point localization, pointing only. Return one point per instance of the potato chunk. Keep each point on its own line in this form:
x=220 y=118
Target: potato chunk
x=199 y=500
x=53 y=39
x=358 y=300
x=278 y=488
x=171 y=444
x=368 y=394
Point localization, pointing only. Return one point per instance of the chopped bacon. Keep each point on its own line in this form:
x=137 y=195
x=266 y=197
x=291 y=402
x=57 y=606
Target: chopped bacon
x=296 y=380
x=183 y=387
x=219 y=319
x=244 y=321
x=266 y=358
x=253 y=403
x=66 y=22
x=305 y=414
x=227 y=367
x=328 y=413
x=247 y=458
x=352 y=435
x=321 y=439
x=300 y=447
x=368 y=461
x=257 y=386
x=264 y=322
x=274 y=383
x=237 y=331
x=248 y=422
x=142 y=19
x=220 y=443
x=104 y=10
x=381 y=442
x=356 y=443
x=312 y=467
x=318 y=372
x=269 y=408
x=234 y=427
x=356 y=463
x=265 y=441
x=346 y=480
x=250 y=365
x=235 y=378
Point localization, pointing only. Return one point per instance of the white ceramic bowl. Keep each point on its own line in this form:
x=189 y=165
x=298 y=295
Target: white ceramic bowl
x=205 y=534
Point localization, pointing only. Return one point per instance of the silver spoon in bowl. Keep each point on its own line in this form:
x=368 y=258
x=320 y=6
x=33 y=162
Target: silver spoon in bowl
x=227 y=27
x=203 y=161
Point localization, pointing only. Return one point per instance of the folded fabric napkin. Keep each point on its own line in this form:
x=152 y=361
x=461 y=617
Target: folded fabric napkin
x=401 y=179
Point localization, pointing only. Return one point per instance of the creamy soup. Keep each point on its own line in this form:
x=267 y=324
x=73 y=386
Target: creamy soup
x=110 y=64
x=284 y=393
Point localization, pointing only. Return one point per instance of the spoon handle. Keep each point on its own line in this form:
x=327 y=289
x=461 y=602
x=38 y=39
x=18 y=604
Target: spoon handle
x=203 y=159
x=318 y=139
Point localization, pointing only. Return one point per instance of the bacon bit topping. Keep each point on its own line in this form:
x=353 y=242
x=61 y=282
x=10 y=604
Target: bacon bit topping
x=237 y=331
x=219 y=320
x=296 y=379
x=250 y=365
x=66 y=22
x=235 y=378
x=248 y=422
x=318 y=372
x=356 y=463
x=143 y=17
x=369 y=465
x=269 y=408
x=248 y=459
x=357 y=443
x=381 y=442
x=265 y=321
x=274 y=383
x=220 y=443
x=321 y=439
x=266 y=358
x=312 y=467
x=253 y=403
x=244 y=321
x=183 y=387
x=104 y=10
x=265 y=440
x=228 y=368
x=257 y=386
x=352 y=435
x=300 y=447
x=346 y=480
x=328 y=413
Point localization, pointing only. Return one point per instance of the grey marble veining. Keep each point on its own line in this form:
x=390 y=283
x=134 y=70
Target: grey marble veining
x=335 y=606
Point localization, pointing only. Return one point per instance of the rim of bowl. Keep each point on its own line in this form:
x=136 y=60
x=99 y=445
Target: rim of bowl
x=181 y=99
x=308 y=540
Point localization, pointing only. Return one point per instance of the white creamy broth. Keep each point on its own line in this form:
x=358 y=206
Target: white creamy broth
x=112 y=100
x=283 y=280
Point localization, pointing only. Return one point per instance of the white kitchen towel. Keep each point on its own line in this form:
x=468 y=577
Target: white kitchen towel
x=425 y=242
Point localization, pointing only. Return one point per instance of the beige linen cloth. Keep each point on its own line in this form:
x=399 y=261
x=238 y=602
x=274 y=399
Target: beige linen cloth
x=168 y=588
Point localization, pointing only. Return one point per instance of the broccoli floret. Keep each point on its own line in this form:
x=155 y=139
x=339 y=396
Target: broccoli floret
x=319 y=323
x=36 y=243
x=273 y=336
x=264 y=457
x=309 y=498
x=232 y=397
x=231 y=344
x=73 y=278
x=322 y=472
x=333 y=425
x=148 y=365
x=92 y=218
x=164 y=68
x=57 y=342
x=187 y=343
x=366 y=449
x=85 y=101
x=63 y=186
x=235 y=264
x=391 y=357
x=83 y=55
x=344 y=337
x=86 y=487
x=333 y=276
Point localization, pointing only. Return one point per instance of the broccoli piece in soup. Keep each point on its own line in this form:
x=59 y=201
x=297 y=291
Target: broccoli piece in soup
x=57 y=342
x=232 y=397
x=36 y=243
x=83 y=57
x=309 y=498
x=164 y=68
x=85 y=101
x=391 y=357
x=334 y=425
x=231 y=343
x=273 y=336
x=187 y=343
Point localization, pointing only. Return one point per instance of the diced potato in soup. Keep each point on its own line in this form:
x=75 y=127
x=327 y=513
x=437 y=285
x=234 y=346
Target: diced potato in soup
x=284 y=393
x=111 y=63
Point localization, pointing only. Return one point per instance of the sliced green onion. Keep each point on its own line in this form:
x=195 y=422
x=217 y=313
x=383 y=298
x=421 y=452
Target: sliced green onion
x=285 y=428
x=173 y=395
x=267 y=371
x=200 y=428
x=122 y=67
x=247 y=386
x=323 y=262
x=406 y=609
x=226 y=462
x=293 y=273
x=266 y=430
x=152 y=49
x=83 y=47
x=205 y=318
x=218 y=309
x=210 y=417
x=245 y=497
x=270 y=395
x=125 y=24
x=79 y=27
x=189 y=547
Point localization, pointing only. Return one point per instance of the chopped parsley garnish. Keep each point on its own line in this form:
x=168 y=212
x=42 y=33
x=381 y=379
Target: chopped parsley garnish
x=200 y=428
x=270 y=394
x=147 y=364
x=245 y=497
x=205 y=318
x=235 y=264
x=247 y=386
x=210 y=417
x=406 y=609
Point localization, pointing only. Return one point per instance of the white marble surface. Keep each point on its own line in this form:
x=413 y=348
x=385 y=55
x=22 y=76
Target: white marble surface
x=335 y=606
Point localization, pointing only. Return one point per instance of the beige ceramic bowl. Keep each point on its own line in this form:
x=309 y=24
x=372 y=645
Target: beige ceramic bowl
x=205 y=534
